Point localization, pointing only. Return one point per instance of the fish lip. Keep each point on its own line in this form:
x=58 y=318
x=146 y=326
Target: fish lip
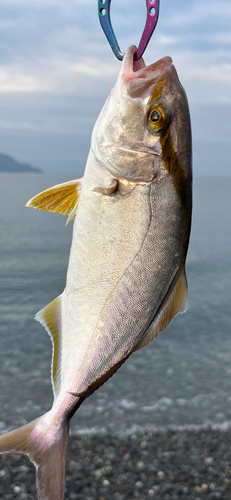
x=132 y=70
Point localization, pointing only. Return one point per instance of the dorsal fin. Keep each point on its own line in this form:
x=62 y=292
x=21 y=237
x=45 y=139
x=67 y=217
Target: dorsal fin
x=50 y=318
x=62 y=199
x=175 y=303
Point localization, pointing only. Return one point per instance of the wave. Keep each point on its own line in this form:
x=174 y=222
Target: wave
x=138 y=430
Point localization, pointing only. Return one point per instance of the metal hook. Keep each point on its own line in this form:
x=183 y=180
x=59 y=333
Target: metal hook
x=151 y=21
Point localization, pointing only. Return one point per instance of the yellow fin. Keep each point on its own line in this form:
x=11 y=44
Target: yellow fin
x=50 y=318
x=175 y=303
x=62 y=199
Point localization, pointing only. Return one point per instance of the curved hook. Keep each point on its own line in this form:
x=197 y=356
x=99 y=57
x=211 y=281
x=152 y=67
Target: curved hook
x=151 y=21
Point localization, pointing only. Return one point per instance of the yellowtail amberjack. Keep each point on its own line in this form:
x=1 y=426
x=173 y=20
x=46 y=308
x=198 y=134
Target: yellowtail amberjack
x=126 y=275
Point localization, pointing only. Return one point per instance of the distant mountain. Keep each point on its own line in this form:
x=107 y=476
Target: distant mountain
x=8 y=164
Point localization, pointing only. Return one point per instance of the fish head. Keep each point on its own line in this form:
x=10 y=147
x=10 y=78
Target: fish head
x=143 y=131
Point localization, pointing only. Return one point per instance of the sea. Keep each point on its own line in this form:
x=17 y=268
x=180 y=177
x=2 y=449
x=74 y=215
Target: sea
x=182 y=380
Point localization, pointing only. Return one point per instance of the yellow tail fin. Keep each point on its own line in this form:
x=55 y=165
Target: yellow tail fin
x=46 y=447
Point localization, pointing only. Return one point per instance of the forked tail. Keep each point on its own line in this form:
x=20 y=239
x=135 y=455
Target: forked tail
x=46 y=445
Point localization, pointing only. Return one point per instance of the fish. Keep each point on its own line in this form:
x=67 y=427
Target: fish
x=126 y=275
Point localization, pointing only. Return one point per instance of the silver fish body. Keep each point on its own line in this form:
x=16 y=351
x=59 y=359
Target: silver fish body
x=118 y=275
x=126 y=274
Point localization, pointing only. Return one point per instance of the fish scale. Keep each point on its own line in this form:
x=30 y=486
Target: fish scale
x=133 y=312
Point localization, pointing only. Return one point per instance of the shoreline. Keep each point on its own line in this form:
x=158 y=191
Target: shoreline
x=162 y=465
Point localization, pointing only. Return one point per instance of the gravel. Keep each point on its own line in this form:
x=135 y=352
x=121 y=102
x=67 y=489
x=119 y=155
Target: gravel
x=162 y=466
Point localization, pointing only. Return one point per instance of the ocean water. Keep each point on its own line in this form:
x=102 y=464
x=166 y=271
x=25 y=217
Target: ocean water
x=181 y=380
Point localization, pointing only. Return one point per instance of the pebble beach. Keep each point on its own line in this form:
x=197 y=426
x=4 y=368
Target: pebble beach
x=162 y=466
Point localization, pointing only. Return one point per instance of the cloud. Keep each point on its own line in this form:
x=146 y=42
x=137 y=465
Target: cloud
x=56 y=67
x=60 y=76
x=56 y=46
x=13 y=79
x=195 y=12
x=41 y=4
x=168 y=40
x=206 y=76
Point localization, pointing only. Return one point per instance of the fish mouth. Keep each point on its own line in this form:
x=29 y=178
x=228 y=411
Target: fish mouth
x=138 y=77
x=139 y=69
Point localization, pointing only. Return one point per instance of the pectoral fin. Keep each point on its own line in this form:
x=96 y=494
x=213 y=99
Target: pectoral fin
x=50 y=318
x=62 y=199
x=175 y=303
x=107 y=190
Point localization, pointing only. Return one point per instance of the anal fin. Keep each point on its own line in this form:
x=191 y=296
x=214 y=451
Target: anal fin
x=175 y=303
x=50 y=318
x=62 y=199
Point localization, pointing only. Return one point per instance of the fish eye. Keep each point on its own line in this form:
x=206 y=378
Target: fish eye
x=154 y=116
x=157 y=117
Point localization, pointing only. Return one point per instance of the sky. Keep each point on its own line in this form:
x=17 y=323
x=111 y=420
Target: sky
x=57 y=69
